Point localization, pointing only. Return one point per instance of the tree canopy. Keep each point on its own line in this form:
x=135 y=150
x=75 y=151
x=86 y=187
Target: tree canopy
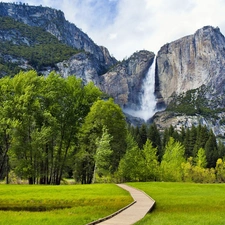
x=44 y=115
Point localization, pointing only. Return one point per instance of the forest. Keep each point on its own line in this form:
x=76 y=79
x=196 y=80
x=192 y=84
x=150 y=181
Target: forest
x=53 y=128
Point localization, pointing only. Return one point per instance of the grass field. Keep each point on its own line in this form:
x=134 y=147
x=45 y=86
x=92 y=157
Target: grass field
x=66 y=204
x=185 y=203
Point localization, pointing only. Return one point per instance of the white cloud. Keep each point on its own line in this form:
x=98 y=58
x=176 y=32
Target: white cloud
x=124 y=26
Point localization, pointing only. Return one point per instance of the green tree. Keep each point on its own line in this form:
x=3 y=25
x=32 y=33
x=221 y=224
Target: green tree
x=102 y=113
x=200 y=159
x=220 y=170
x=187 y=170
x=150 y=165
x=201 y=139
x=129 y=165
x=155 y=137
x=103 y=155
x=47 y=114
x=26 y=107
x=143 y=135
x=190 y=141
x=6 y=110
x=211 y=150
x=171 y=162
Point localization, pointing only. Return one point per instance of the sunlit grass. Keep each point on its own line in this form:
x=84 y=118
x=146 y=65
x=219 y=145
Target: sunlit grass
x=185 y=203
x=24 y=204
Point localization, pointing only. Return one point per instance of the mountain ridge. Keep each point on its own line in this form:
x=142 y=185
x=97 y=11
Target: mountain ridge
x=54 y=22
x=189 y=73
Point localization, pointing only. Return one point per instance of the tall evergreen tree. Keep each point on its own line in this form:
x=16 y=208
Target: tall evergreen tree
x=211 y=150
x=202 y=137
x=155 y=137
x=143 y=135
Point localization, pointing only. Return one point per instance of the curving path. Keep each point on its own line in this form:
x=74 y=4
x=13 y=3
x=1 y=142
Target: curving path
x=135 y=212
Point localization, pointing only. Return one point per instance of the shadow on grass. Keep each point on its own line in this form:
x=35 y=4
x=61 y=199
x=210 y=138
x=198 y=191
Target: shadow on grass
x=33 y=208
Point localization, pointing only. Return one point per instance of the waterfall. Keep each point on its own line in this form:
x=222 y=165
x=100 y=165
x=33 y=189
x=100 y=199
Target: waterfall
x=147 y=98
x=148 y=101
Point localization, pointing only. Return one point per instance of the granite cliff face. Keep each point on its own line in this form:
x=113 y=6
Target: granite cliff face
x=190 y=81
x=124 y=81
x=191 y=62
x=83 y=65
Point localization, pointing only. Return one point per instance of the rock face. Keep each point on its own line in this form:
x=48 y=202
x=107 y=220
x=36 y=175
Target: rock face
x=83 y=65
x=124 y=81
x=191 y=62
x=54 y=22
x=166 y=119
x=190 y=81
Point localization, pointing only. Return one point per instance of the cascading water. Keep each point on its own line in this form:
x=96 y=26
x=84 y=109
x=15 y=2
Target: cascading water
x=147 y=99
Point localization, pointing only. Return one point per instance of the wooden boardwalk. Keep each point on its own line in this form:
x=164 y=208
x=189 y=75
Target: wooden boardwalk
x=133 y=213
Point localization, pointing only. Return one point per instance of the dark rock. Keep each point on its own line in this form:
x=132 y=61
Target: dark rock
x=124 y=81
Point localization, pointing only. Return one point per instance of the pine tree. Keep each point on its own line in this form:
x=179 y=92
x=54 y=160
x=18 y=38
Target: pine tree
x=155 y=137
x=143 y=135
x=211 y=150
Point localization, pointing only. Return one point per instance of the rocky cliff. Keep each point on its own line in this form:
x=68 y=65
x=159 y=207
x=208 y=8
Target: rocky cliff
x=54 y=22
x=124 y=81
x=191 y=62
x=190 y=79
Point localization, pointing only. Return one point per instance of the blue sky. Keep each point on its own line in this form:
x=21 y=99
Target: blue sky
x=125 y=26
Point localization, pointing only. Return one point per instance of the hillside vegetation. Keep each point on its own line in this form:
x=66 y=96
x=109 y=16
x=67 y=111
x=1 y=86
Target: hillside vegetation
x=25 y=45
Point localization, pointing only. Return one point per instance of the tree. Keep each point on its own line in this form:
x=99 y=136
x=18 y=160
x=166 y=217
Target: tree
x=220 y=170
x=6 y=110
x=143 y=135
x=26 y=88
x=46 y=114
x=202 y=137
x=200 y=159
x=155 y=137
x=129 y=165
x=187 y=170
x=103 y=155
x=172 y=160
x=190 y=141
x=211 y=150
x=102 y=114
x=150 y=163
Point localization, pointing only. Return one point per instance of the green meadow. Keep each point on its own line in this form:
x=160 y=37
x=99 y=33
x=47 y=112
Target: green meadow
x=176 y=203
x=184 y=203
x=64 y=204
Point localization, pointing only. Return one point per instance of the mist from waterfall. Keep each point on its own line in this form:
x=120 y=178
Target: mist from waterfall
x=147 y=98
